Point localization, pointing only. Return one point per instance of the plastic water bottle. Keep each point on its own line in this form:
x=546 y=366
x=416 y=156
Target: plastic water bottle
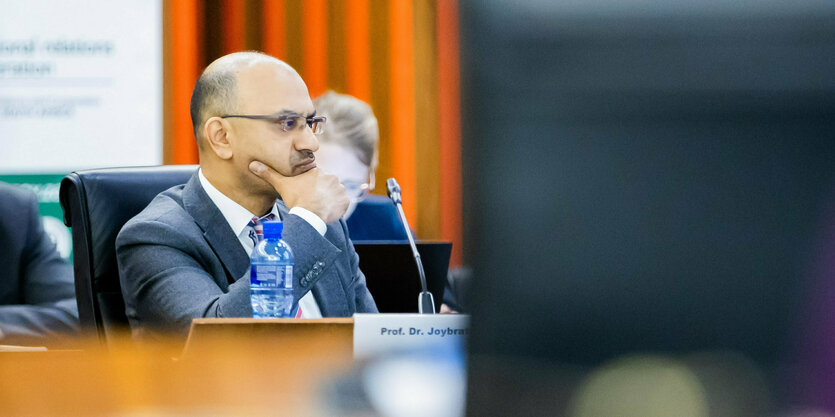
x=271 y=276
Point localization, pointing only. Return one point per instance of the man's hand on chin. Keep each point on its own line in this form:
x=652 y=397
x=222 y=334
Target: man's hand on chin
x=314 y=190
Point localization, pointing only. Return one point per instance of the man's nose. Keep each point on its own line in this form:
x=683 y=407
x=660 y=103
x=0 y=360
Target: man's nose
x=307 y=140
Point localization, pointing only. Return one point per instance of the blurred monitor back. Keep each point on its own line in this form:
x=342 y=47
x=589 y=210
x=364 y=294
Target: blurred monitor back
x=642 y=178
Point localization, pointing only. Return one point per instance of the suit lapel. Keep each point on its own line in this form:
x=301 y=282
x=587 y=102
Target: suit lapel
x=282 y=209
x=216 y=229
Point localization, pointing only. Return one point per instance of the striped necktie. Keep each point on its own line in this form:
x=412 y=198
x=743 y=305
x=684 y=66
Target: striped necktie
x=256 y=227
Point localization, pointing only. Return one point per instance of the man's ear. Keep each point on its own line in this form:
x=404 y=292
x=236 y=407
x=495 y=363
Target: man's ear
x=216 y=133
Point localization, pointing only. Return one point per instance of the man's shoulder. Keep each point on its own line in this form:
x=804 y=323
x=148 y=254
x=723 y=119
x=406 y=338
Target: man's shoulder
x=374 y=200
x=15 y=198
x=166 y=204
x=18 y=211
x=373 y=208
x=166 y=209
x=376 y=218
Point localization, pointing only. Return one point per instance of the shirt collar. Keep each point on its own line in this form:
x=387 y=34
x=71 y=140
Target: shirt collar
x=235 y=214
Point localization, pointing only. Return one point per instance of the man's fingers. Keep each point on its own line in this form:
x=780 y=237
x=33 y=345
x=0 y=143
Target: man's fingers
x=446 y=310
x=267 y=174
x=259 y=169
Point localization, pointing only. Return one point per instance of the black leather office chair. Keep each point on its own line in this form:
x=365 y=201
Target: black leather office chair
x=96 y=204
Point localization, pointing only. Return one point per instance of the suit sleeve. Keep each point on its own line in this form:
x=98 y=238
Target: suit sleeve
x=48 y=311
x=317 y=256
x=165 y=282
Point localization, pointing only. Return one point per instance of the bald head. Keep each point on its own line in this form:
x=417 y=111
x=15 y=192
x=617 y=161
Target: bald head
x=215 y=92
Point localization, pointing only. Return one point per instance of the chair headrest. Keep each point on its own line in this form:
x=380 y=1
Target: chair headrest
x=107 y=199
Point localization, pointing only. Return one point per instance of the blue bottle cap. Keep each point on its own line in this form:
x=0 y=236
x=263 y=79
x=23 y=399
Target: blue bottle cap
x=273 y=229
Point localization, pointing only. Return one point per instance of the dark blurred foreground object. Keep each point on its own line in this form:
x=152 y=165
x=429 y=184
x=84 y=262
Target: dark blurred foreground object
x=37 y=302
x=96 y=204
x=642 y=178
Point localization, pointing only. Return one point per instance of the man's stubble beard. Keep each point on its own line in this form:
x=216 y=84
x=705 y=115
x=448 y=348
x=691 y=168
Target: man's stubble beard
x=301 y=158
x=255 y=186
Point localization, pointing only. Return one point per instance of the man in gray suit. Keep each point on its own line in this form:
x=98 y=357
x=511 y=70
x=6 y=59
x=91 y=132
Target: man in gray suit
x=187 y=254
x=37 y=294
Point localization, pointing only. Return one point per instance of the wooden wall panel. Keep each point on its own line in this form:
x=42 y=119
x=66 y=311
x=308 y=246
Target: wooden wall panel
x=253 y=9
x=273 y=27
x=380 y=98
x=213 y=33
x=233 y=13
x=181 y=58
x=426 y=117
x=315 y=42
x=336 y=45
x=357 y=27
x=167 y=83
x=449 y=121
x=294 y=47
x=402 y=92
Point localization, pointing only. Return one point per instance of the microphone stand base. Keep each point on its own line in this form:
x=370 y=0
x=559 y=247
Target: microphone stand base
x=426 y=304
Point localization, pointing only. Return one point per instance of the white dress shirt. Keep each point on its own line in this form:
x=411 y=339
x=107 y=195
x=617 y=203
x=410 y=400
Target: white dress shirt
x=238 y=218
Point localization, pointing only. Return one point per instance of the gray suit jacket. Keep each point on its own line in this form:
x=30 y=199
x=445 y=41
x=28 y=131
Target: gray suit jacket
x=179 y=260
x=37 y=293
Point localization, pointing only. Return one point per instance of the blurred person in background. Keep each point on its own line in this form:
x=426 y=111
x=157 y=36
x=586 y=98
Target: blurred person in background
x=349 y=149
x=37 y=293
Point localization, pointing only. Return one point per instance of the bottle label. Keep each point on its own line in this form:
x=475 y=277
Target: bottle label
x=288 y=276
x=271 y=275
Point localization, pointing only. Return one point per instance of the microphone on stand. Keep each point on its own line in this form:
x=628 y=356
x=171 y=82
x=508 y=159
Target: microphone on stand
x=426 y=304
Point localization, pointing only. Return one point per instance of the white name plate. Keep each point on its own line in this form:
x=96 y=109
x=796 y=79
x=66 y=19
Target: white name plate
x=375 y=334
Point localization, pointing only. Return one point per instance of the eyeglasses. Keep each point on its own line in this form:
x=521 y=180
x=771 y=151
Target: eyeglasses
x=288 y=122
x=356 y=191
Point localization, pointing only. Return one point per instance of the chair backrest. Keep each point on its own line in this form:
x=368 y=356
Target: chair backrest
x=96 y=204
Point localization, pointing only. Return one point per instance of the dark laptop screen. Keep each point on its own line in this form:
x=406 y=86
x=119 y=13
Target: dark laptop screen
x=392 y=277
